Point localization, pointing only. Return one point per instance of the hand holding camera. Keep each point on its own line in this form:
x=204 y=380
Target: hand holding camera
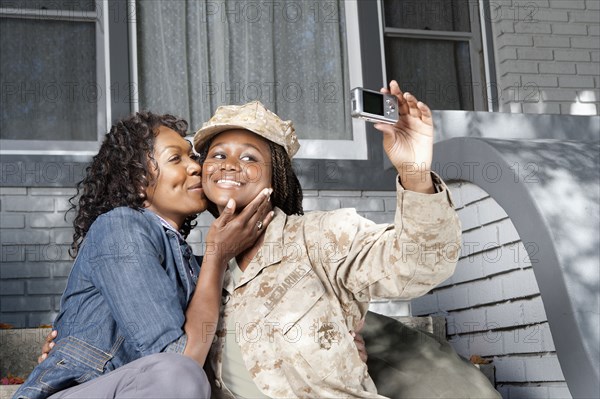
x=373 y=106
x=408 y=142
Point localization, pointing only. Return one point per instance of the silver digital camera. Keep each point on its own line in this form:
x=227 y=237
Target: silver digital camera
x=373 y=106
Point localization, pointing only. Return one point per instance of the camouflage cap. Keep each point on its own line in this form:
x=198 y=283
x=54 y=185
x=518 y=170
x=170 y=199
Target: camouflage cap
x=254 y=117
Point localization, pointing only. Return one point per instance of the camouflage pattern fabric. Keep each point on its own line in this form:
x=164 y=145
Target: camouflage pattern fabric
x=311 y=283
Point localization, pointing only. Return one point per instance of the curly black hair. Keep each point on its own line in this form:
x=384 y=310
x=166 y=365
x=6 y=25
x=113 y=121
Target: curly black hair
x=121 y=171
x=287 y=192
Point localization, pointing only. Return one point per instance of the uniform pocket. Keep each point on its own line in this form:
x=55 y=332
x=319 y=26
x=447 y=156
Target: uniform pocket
x=311 y=329
x=297 y=301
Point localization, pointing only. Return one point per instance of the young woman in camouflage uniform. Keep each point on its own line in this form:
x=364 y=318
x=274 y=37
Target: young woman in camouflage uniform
x=292 y=300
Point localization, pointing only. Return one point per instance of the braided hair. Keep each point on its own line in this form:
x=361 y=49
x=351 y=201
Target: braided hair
x=121 y=171
x=287 y=192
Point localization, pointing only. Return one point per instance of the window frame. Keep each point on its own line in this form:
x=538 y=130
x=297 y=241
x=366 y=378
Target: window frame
x=359 y=160
x=99 y=18
x=355 y=149
x=30 y=164
x=374 y=173
x=478 y=48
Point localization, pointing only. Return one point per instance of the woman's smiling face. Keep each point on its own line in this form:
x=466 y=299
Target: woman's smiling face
x=238 y=166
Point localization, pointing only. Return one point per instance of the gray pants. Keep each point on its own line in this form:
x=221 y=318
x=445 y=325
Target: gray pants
x=159 y=376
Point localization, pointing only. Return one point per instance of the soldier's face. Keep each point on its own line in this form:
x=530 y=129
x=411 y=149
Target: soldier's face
x=238 y=166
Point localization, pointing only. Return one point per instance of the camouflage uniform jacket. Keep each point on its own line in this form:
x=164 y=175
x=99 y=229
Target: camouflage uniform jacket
x=311 y=283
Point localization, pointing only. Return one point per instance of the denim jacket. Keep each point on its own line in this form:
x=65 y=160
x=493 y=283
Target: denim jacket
x=125 y=298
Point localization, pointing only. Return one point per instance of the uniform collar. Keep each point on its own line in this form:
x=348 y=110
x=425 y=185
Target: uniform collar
x=271 y=251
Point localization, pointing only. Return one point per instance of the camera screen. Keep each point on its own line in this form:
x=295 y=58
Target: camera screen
x=373 y=103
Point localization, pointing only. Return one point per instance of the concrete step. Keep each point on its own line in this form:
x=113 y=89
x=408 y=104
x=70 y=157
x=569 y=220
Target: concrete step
x=19 y=350
x=7 y=391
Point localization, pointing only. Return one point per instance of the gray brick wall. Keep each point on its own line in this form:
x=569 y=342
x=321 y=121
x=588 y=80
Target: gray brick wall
x=34 y=260
x=492 y=303
x=546 y=55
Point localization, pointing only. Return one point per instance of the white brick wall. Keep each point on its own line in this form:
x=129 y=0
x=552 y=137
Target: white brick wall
x=492 y=303
x=546 y=55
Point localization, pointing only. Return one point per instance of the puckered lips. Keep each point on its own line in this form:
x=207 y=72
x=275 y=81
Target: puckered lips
x=196 y=187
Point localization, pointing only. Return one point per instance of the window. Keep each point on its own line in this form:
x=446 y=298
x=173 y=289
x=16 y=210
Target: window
x=52 y=75
x=434 y=49
x=193 y=56
x=64 y=77
x=295 y=56
x=60 y=89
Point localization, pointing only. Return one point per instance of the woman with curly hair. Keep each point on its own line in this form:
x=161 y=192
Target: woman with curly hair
x=136 y=291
